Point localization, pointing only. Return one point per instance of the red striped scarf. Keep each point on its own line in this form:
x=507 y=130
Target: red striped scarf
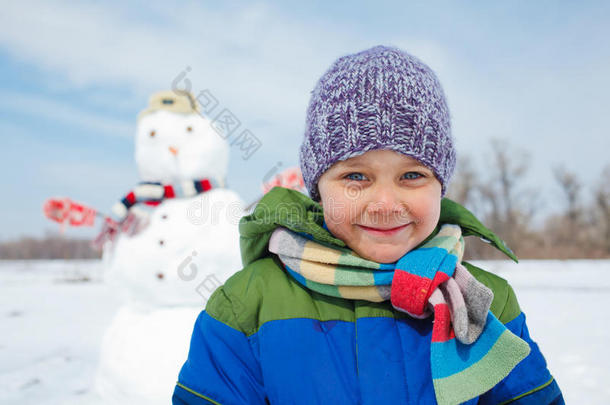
x=153 y=194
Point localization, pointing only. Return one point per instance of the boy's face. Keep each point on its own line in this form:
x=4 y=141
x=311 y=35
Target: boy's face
x=381 y=204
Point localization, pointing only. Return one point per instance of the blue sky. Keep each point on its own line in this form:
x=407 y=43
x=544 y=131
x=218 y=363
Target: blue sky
x=73 y=77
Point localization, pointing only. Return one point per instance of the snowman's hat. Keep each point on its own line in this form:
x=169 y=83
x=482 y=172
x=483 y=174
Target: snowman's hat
x=177 y=101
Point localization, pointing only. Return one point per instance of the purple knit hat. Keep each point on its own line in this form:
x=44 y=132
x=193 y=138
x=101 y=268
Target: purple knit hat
x=380 y=98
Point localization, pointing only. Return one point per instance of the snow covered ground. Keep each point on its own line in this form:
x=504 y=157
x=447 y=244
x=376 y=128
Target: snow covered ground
x=53 y=315
x=565 y=303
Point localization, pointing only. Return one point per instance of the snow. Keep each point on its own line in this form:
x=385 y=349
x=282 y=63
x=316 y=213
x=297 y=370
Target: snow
x=565 y=303
x=142 y=354
x=53 y=315
x=52 y=324
x=187 y=241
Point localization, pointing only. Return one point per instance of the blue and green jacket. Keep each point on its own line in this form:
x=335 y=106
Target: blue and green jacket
x=264 y=338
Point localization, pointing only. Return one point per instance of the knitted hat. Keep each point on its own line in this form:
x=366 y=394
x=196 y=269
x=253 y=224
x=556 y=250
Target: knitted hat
x=380 y=98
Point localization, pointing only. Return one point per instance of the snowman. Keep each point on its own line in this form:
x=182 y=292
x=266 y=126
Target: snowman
x=184 y=246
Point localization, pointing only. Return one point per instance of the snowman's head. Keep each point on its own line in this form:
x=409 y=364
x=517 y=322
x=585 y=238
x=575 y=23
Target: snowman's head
x=174 y=142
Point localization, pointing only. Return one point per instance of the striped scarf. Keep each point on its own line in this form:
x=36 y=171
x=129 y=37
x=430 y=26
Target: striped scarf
x=153 y=193
x=471 y=350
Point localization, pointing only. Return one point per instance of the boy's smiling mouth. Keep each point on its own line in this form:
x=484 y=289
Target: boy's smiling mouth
x=383 y=231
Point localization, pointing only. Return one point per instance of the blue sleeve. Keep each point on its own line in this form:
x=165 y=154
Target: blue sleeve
x=530 y=382
x=220 y=369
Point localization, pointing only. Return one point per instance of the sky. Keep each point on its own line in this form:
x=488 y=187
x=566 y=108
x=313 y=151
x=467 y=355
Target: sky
x=74 y=75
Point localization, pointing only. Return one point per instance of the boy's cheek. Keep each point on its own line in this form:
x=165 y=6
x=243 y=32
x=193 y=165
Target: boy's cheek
x=433 y=217
x=334 y=211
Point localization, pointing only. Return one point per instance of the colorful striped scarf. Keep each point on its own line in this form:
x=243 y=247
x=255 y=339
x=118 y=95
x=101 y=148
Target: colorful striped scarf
x=153 y=193
x=471 y=351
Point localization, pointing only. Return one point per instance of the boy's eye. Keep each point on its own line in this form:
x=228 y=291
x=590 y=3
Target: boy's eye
x=411 y=175
x=355 y=176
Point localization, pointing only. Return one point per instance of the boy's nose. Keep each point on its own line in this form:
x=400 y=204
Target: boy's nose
x=380 y=207
x=385 y=201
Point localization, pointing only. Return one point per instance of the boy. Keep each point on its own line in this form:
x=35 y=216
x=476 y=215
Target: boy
x=362 y=298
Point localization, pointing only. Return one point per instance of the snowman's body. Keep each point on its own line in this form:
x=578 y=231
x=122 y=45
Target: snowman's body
x=168 y=270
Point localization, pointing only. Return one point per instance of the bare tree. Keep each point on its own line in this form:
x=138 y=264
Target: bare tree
x=565 y=234
x=464 y=183
x=602 y=205
x=51 y=246
x=509 y=207
x=571 y=187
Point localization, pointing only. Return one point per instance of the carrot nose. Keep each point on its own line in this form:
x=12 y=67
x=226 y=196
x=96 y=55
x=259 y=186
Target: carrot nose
x=173 y=150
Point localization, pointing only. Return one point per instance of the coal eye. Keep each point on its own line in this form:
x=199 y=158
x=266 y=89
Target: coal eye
x=153 y=133
x=189 y=129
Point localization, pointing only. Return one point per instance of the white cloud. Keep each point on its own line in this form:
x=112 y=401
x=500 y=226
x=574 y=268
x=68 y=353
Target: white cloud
x=253 y=57
x=258 y=62
x=88 y=177
x=55 y=111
